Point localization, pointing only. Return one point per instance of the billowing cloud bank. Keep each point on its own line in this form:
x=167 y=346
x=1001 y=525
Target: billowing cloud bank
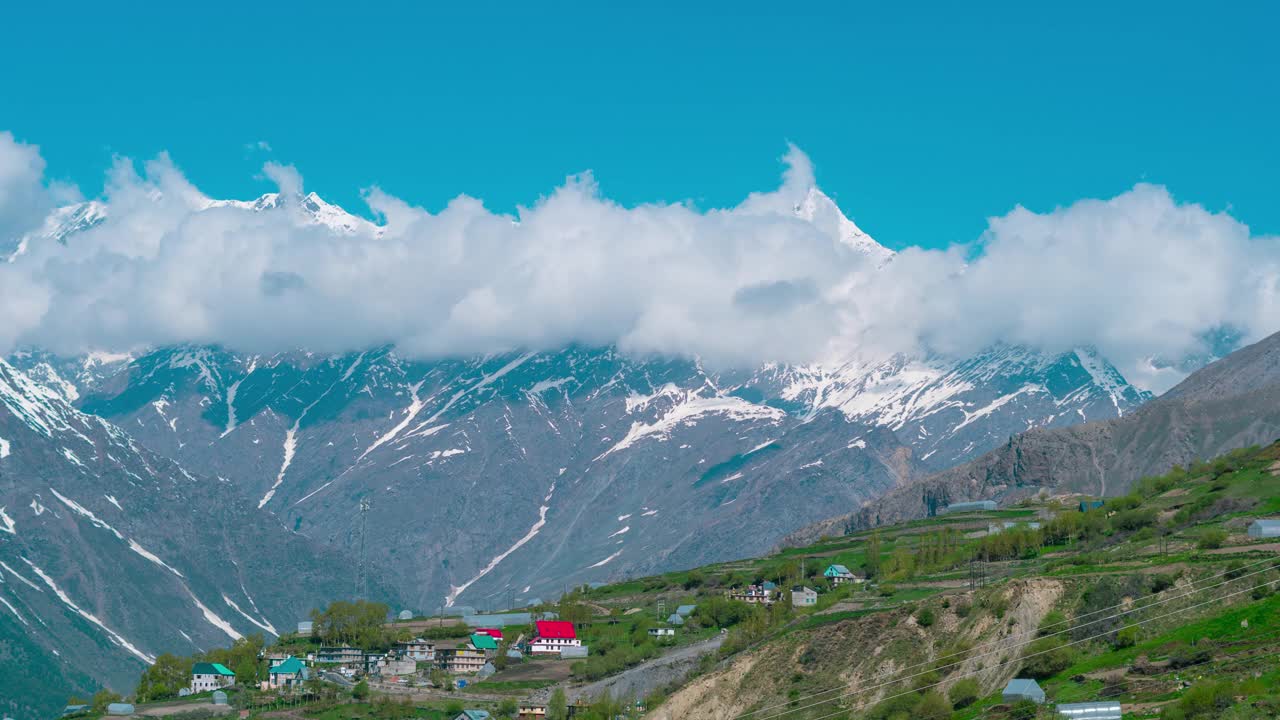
x=1138 y=276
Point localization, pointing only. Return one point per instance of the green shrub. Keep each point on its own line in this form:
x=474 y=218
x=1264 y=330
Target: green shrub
x=1023 y=710
x=1054 y=621
x=964 y=693
x=1126 y=638
x=1206 y=699
x=1212 y=539
x=925 y=618
x=1163 y=581
x=1047 y=657
x=933 y=705
x=1184 y=655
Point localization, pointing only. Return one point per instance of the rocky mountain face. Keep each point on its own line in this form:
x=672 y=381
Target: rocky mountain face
x=510 y=477
x=1233 y=402
x=111 y=554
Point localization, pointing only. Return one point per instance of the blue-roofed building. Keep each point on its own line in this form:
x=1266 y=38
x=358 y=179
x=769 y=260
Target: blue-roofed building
x=839 y=574
x=1087 y=505
x=675 y=619
x=1023 y=689
x=1109 y=710
x=473 y=715
x=686 y=610
x=1265 y=529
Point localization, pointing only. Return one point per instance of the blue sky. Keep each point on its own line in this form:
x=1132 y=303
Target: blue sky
x=923 y=119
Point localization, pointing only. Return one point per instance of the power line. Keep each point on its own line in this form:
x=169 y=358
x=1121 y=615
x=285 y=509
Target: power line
x=362 y=582
x=1006 y=662
x=1074 y=622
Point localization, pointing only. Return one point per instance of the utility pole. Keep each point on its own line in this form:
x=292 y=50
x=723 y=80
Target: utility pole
x=362 y=584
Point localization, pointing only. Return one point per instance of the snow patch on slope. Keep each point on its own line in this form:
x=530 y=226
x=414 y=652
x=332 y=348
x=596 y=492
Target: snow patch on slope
x=457 y=590
x=687 y=411
x=112 y=635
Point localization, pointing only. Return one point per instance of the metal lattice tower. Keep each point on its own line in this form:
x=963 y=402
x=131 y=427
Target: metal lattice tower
x=362 y=582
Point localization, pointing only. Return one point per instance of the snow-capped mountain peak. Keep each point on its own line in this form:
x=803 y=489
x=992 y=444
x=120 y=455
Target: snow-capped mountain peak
x=311 y=210
x=820 y=210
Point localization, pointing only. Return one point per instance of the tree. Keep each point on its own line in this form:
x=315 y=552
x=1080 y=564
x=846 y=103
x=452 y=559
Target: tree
x=103 y=698
x=872 y=562
x=358 y=623
x=164 y=678
x=361 y=690
x=508 y=708
x=557 y=706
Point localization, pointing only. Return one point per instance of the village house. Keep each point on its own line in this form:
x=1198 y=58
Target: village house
x=460 y=659
x=418 y=650
x=530 y=711
x=484 y=642
x=552 y=637
x=662 y=632
x=210 y=676
x=803 y=597
x=839 y=575
x=393 y=664
x=472 y=715
x=290 y=672
x=344 y=656
x=755 y=594
x=494 y=633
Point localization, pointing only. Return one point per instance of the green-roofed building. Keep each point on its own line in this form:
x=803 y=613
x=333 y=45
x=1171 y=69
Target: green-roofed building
x=287 y=673
x=483 y=642
x=211 y=676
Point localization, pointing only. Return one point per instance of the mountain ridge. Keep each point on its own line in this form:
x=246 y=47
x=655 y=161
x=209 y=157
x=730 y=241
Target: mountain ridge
x=1230 y=403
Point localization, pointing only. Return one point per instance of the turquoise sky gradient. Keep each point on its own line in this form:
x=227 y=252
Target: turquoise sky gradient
x=923 y=119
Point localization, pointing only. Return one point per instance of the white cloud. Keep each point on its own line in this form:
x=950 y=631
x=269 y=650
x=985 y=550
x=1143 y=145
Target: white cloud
x=1138 y=275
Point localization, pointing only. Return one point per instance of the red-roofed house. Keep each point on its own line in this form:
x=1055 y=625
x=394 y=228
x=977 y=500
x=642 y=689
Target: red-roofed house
x=554 y=636
x=494 y=633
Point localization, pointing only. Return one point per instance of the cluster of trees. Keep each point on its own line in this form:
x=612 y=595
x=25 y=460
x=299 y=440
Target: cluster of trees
x=360 y=624
x=171 y=673
x=932 y=551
